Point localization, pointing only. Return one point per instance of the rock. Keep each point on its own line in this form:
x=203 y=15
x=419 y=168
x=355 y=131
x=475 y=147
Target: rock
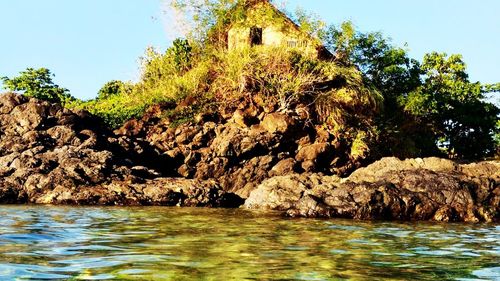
x=390 y=189
x=312 y=152
x=240 y=119
x=245 y=130
x=9 y=101
x=315 y=156
x=392 y=164
x=61 y=135
x=277 y=123
x=157 y=192
x=131 y=128
x=51 y=155
x=284 y=167
x=185 y=171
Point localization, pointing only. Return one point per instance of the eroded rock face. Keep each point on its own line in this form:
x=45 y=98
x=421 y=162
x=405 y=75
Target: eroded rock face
x=390 y=189
x=247 y=145
x=51 y=155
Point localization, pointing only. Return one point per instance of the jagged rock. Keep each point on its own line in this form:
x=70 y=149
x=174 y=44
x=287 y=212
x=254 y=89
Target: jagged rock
x=285 y=167
x=157 y=192
x=244 y=131
x=240 y=119
x=314 y=155
x=277 y=123
x=392 y=189
x=51 y=155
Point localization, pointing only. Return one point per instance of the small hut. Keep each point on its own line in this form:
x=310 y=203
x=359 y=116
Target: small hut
x=262 y=24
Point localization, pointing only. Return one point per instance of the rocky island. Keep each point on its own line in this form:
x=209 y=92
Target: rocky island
x=255 y=110
x=260 y=144
x=53 y=155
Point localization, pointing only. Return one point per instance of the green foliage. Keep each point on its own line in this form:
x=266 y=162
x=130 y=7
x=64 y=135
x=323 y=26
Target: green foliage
x=387 y=100
x=309 y=23
x=165 y=77
x=180 y=53
x=387 y=67
x=425 y=106
x=463 y=122
x=221 y=79
x=206 y=18
x=342 y=41
x=114 y=110
x=113 y=88
x=492 y=88
x=37 y=83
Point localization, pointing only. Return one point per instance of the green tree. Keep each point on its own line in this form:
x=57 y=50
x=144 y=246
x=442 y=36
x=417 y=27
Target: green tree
x=37 y=83
x=176 y=61
x=343 y=41
x=387 y=67
x=463 y=123
x=309 y=23
x=425 y=106
x=113 y=88
x=180 y=53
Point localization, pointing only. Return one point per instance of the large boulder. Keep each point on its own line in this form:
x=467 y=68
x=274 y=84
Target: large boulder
x=392 y=189
x=277 y=123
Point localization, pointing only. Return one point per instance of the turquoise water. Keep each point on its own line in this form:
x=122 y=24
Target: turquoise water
x=63 y=243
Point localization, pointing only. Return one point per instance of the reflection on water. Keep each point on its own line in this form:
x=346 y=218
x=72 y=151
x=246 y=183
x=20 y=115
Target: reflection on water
x=38 y=243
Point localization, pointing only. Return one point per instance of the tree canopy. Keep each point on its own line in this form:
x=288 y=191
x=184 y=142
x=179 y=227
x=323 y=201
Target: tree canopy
x=37 y=83
x=430 y=106
x=461 y=120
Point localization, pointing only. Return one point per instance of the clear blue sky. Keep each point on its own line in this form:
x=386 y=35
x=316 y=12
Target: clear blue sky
x=89 y=42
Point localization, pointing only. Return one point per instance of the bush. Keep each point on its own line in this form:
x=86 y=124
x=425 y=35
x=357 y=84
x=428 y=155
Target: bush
x=113 y=88
x=37 y=83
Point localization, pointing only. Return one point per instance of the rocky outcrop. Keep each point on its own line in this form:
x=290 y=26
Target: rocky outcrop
x=243 y=146
x=390 y=189
x=52 y=155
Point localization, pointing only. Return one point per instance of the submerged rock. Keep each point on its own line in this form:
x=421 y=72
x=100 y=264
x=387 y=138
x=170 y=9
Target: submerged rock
x=390 y=189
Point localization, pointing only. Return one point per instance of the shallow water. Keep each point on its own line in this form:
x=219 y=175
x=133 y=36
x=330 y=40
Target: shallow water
x=38 y=243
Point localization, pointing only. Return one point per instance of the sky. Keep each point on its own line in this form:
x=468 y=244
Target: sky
x=86 y=43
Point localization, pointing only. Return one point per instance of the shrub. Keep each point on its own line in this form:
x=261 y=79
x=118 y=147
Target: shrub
x=113 y=88
x=37 y=83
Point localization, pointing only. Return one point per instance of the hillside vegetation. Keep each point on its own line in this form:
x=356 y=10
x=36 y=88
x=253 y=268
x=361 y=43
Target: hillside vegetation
x=373 y=97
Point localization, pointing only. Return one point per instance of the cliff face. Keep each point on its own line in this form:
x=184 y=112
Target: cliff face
x=51 y=155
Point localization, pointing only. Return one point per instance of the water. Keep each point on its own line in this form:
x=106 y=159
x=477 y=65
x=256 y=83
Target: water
x=62 y=243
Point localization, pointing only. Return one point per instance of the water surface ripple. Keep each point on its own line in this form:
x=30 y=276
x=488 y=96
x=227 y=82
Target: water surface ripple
x=63 y=243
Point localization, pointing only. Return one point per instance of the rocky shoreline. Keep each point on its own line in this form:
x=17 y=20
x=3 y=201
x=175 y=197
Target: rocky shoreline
x=52 y=155
x=390 y=189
